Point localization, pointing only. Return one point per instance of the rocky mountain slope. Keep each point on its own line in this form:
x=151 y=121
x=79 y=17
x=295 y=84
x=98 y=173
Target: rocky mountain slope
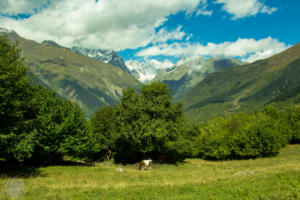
x=104 y=55
x=89 y=82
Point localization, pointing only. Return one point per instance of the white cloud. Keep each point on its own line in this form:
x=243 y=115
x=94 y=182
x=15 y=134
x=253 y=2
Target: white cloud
x=244 y=8
x=202 y=10
x=246 y=49
x=111 y=24
x=13 y=7
x=163 y=35
x=160 y=64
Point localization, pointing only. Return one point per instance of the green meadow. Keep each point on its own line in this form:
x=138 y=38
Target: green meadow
x=263 y=178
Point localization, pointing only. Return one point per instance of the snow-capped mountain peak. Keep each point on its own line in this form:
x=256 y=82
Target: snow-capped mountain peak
x=147 y=70
x=104 y=55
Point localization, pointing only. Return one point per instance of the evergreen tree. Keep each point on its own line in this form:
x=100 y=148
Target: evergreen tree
x=15 y=96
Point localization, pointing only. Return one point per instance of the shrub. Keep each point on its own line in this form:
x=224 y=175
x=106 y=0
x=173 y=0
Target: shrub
x=241 y=136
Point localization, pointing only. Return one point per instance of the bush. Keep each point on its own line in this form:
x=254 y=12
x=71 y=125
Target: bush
x=241 y=136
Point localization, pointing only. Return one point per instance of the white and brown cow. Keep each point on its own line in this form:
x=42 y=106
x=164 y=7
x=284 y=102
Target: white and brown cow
x=145 y=165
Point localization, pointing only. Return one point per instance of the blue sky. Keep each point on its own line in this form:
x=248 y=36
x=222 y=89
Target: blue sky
x=283 y=24
x=160 y=30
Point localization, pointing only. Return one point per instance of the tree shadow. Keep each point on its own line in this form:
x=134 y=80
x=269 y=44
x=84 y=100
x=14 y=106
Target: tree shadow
x=18 y=170
x=26 y=170
x=70 y=163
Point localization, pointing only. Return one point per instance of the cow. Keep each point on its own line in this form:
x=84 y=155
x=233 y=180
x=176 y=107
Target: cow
x=145 y=164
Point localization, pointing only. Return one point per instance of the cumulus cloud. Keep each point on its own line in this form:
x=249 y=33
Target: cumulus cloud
x=163 y=35
x=111 y=24
x=246 y=49
x=244 y=8
x=14 y=7
x=160 y=64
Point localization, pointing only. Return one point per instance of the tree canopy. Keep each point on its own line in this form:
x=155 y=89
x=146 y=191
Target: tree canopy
x=35 y=124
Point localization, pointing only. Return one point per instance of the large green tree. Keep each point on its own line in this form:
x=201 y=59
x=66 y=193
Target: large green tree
x=102 y=124
x=35 y=124
x=15 y=95
x=148 y=125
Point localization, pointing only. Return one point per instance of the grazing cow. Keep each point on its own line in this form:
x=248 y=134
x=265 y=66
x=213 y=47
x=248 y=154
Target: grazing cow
x=145 y=164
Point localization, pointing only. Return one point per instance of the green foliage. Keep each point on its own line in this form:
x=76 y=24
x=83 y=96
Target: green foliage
x=36 y=125
x=148 y=125
x=15 y=93
x=294 y=122
x=59 y=125
x=102 y=124
x=241 y=136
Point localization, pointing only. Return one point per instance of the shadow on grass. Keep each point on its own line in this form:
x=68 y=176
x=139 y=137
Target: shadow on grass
x=18 y=170
x=26 y=170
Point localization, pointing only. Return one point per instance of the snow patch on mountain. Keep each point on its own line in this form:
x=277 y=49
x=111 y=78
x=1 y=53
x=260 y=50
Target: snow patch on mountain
x=147 y=70
x=104 y=55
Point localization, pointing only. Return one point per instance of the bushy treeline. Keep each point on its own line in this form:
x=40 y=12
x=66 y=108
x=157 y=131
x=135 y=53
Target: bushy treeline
x=38 y=126
x=130 y=133
x=243 y=136
x=144 y=125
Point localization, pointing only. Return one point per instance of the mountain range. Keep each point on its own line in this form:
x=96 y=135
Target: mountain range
x=247 y=87
x=188 y=72
x=207 y=87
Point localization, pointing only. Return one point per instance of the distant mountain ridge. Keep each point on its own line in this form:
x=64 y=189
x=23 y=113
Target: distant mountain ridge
x=104 y=55
x=246 y=88
x=187 y=72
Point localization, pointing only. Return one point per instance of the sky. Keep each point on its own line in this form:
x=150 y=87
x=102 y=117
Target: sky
x=161 y=31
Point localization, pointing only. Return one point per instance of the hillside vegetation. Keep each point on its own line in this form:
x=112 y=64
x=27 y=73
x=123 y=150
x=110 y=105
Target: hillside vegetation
x=246 y=88
x=190 y=71
x=82 y=79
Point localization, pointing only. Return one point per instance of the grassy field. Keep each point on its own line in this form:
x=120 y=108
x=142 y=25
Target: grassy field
x=267 y=178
